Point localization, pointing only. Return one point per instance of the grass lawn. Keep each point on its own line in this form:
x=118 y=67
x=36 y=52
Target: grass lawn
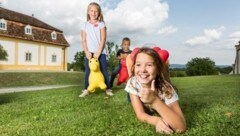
x=11 y=79
x=210 y=104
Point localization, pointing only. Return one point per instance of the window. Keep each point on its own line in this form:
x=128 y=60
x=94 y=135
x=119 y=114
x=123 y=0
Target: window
x=54 y=58
x=28 y=56
x=54 y=35
x=28 y=30
x=3 y=24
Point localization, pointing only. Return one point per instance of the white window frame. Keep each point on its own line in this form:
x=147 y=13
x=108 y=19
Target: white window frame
x=54 y=58
x=3 y=24
x=28 y=30
x=54 y=35
x=28 y=56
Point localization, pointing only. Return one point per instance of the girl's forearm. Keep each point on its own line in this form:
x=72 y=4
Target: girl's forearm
x=84 y=42
x=100 y=49
x=85 y=47
x=152 y=120
x=175 y=120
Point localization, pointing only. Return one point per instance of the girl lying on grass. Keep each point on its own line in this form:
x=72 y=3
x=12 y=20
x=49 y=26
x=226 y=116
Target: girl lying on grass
x=151 y=92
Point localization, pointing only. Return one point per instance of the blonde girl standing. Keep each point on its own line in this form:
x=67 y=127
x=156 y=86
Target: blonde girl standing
x=93 y=35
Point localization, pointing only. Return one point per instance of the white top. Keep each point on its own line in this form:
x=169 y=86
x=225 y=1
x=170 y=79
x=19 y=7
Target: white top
x=134 y=87
x=93 y=35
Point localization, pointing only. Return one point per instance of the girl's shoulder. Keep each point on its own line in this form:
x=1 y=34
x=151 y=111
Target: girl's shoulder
x=169 y=95
x=133 y=86
x=101 y=24
x=83 y=25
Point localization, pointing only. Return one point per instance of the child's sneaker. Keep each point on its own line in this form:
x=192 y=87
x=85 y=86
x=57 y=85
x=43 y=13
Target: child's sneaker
x=109 y=92
x=84 y=93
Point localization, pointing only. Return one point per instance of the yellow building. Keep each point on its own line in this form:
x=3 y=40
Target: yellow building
x=31 y=44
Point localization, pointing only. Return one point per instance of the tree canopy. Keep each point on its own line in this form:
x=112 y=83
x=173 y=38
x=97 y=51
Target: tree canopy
x=201 y=66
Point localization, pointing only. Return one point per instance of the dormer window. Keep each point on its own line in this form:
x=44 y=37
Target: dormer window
x=3 y=24
x=28 y=30
x=54 y=35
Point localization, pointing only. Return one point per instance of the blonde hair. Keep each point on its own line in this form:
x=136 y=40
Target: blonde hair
x=100 y=16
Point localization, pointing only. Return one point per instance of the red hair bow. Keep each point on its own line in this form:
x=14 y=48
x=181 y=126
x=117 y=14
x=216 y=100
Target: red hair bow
x=163 y=54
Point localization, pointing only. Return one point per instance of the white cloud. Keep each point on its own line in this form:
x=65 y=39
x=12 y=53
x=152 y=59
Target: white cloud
x=231 y=40
x=210 y=35
x=167 y=30
x=124 y=18
x=141 y=20
x=235 y=35
x=136 y=16
x=3 y=2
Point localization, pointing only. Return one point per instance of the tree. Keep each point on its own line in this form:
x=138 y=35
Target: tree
x=112 y=53
x=3 y=53
x=177 y=72
x=79 y=61
x=201 y=66
x=225 y=70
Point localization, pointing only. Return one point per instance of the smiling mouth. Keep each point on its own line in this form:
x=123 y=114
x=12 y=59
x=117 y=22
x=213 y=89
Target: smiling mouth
x=143 y=76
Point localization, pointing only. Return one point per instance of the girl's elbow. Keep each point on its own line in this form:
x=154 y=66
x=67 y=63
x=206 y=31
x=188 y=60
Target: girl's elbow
x=181 y=129
x=140 y=117
x=84 y=41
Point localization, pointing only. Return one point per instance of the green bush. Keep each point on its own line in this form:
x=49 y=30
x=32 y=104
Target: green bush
x=175 y=73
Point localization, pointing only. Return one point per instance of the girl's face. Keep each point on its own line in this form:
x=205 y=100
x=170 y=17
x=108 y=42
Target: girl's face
x=93 y=12
x=144 y=69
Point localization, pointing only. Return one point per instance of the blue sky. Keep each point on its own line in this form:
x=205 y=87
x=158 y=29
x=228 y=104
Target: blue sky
x=192 y=17
x=187 y=29
x=204 y=13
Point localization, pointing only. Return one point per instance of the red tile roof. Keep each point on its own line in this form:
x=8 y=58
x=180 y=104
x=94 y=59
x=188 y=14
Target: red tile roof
x=41 y=31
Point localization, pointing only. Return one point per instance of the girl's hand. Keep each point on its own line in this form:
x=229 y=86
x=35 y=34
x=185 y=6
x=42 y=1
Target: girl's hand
x=88 y=55
x=96 y=55
x=148 y=95
x=163 y=127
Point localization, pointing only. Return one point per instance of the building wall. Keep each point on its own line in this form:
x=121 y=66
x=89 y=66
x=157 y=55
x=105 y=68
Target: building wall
x=23 y=48
x=238 y=62
x=41 y=55
x=56 y=51
x=9 y=46
x=236 y=65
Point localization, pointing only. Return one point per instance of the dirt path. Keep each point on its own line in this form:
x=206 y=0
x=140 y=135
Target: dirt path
x=32 y=88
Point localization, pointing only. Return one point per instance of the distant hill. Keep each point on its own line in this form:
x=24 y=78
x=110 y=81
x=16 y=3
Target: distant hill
x=223 y=66
x=177 y=66
x=180 y=66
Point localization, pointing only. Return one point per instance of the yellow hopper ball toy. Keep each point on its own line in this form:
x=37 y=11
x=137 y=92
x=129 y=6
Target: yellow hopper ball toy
x=96 y=78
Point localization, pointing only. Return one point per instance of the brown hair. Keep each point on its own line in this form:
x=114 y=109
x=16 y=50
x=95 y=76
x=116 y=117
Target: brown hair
x=126 y=39
x=100 y=17
x=162 y=80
